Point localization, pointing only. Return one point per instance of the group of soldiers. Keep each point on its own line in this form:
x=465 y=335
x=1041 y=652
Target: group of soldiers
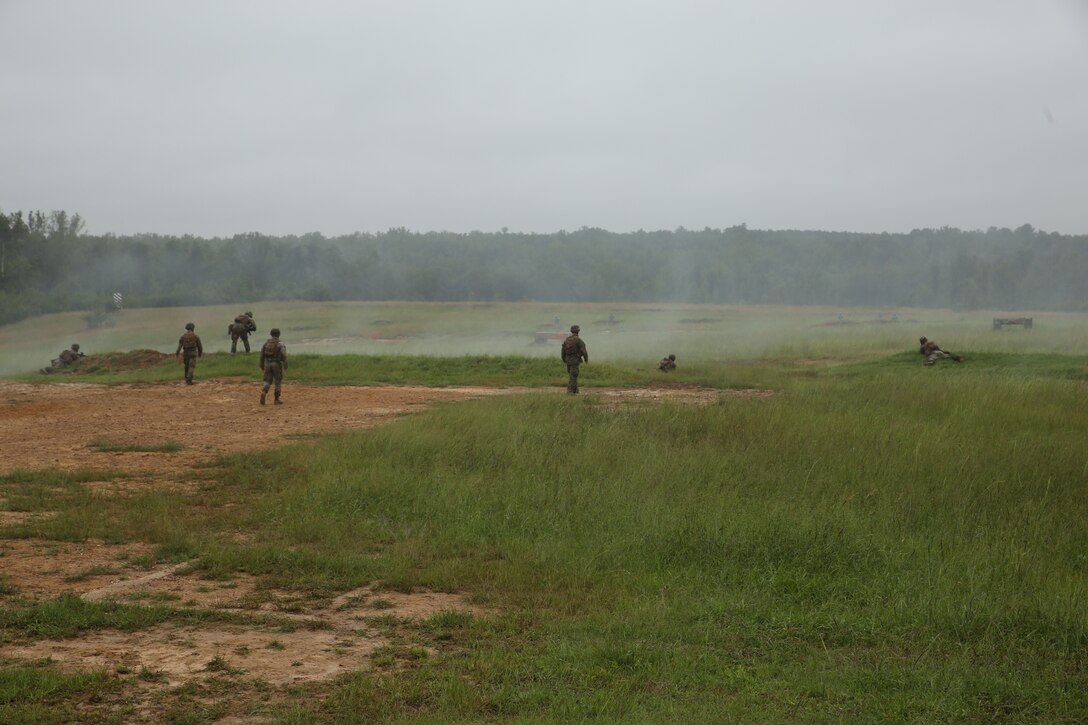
x=573 y=353
x=273 y=357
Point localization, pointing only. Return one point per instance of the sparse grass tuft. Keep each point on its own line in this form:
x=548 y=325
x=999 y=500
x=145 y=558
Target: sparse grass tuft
x=151 y=675
x=220 y=664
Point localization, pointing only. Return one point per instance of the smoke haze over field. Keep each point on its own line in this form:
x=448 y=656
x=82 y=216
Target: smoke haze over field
x=215 y=118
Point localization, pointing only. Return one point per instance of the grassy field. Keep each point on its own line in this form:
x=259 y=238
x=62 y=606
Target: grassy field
x=878 y=541
x=641 y=335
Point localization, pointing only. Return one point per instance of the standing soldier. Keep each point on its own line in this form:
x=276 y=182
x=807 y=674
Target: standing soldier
x=573 y=354
x=239 y=329
x=189 y=342
x=273 y=362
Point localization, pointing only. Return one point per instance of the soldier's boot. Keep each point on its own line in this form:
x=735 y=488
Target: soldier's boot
x=263 y=394
x=277 y=401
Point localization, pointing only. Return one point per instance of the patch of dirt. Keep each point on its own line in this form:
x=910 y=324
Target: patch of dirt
x=44 y=569
x=184 y=653
x=49 y=426
x=330 y=638
x=693 y=395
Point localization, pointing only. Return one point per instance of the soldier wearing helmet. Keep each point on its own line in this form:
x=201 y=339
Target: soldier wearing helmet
x=273 y=363
x=573 y=352
x=189 y=349
x=667 y=364
x=67 y=358
x=239 y=330
x=933 y=351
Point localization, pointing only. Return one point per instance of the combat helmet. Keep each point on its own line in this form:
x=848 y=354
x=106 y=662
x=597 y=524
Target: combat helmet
x=190 y=326
x=249 y=314
x=274 y=332
x=75 y=346
x=923 y=339
x=672 y=357
x=575 y=329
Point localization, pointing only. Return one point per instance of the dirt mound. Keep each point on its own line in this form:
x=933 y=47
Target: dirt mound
x=118 y=362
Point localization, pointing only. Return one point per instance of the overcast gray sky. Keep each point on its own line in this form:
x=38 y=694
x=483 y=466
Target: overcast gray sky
x=212 y=117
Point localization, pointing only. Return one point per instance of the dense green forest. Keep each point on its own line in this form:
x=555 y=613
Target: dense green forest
x=47 y=264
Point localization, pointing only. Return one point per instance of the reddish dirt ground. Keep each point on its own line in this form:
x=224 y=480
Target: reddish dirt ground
x=48 y=426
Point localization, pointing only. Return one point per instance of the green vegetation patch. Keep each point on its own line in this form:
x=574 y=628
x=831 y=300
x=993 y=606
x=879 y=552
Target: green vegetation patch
x=436 y=371
x=879 y=541
x=68 y=616
x=106 y=446
x=50 y=490
x=41 y=693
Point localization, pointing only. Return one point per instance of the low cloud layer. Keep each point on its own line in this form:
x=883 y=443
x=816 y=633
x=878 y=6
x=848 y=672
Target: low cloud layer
x=216 y=118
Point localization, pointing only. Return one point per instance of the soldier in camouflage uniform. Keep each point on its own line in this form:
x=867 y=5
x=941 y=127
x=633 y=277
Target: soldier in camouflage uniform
x=667 y=364
x=189 y=343
x=67 y=358
x=573 y=352
x=933 y=352
x=239 y=330
x=273 y=363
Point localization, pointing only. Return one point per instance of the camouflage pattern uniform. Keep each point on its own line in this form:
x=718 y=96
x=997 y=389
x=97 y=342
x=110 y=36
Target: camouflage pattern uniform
x=239 y=330
x=667 y=364
x=189 y=344
x=67 y=358
x=573 y=353
x=273 y=362
x=933 y=352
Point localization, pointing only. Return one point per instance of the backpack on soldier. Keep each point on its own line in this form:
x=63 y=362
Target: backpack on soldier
x=271 y=351
x=570 y=347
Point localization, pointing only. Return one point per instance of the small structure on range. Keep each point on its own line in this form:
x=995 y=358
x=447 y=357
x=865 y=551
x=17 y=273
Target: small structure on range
x=1000 y=322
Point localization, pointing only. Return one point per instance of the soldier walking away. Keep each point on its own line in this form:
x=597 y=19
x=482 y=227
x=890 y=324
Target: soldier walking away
x=667 y=364
x=190 y=348
x=239 y=330
x=273 y=362
x=933 y=352
x=67 y=358
x=574 y=354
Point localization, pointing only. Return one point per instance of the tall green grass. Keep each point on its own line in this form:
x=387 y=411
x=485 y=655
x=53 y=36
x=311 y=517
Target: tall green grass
x=877 y=542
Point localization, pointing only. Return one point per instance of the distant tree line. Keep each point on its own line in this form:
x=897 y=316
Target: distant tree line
x=47 y=264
